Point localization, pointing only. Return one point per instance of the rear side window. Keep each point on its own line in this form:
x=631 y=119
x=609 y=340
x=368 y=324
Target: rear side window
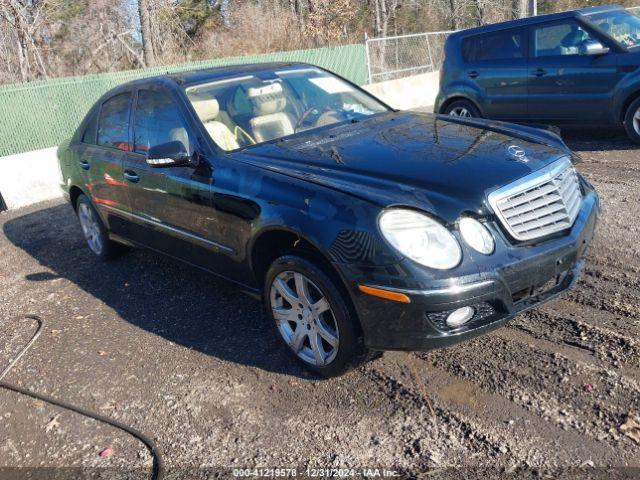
x=90 y=131
x=113 y=126
x=503 y=45
x=157 y=121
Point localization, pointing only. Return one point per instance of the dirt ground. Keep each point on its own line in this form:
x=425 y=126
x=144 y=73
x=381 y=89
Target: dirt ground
x=184 y=358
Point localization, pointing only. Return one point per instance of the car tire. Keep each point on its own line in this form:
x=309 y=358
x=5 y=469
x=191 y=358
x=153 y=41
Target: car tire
x=462 y=108
x=95 y=233
x=632 y=121
x=305 y=333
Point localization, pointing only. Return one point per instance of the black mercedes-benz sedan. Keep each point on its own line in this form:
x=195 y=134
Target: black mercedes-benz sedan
x=363 y=228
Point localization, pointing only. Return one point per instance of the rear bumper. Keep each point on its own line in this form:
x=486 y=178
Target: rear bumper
x=497 y=295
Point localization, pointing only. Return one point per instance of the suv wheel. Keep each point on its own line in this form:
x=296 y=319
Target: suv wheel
x=311 y=317
x=632 y=121
x=94 y=230
x=462 y=108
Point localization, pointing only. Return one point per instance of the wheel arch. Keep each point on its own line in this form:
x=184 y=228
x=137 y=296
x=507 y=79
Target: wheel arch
x=457 y=97
x=74 y=193
x=627 y=103
x=276 y=241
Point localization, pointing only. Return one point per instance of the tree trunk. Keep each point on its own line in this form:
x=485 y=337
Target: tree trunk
x=145 y=31
x=454 y=15
x=378 y=22
x=21 y=44
x=523 y=8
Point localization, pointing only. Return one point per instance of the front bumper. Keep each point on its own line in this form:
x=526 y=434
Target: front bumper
x=515 y=283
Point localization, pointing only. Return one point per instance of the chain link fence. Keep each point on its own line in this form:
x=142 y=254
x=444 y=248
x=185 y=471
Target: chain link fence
x=405 y=55
x=43 y=113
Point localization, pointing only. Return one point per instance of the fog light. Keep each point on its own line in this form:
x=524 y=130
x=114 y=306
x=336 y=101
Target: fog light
x=459 y=317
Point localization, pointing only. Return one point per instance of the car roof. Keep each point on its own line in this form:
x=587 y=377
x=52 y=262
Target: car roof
x=198 y=76
x=537 y=19
x=209 y=74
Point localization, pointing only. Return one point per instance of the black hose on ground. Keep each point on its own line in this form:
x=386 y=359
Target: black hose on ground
x=158 y=463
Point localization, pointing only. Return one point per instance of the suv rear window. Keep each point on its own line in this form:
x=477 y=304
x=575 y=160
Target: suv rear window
x=503 y=45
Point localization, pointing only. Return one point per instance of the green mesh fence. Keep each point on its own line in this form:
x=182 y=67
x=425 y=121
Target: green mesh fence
x=44 y=113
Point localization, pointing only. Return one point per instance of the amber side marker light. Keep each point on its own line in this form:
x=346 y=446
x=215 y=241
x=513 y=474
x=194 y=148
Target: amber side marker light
x=386 y=294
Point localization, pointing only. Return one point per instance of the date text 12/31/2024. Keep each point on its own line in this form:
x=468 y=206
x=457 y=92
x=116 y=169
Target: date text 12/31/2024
x=314 y=473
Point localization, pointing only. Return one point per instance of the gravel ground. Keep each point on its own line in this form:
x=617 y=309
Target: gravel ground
x=184 y=358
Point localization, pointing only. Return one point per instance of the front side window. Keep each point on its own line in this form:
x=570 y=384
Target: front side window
x=621 y=25
x=113 y=126
x=565 y=38
x=243 y=111
x=157 y=120
x=503 y=45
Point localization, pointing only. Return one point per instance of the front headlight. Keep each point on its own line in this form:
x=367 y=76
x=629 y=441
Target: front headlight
x=476 y=235
x=420 y=238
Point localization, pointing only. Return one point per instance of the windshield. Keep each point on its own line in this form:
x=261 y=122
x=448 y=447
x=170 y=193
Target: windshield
x=242 y=111
x=621 y=25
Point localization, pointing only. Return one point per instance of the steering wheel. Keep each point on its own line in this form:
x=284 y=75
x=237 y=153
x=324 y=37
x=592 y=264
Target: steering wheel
x=311 y=115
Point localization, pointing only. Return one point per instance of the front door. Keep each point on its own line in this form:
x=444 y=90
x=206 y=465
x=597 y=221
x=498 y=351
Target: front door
x=565 y=84
x=171 y=208
x=496 y=67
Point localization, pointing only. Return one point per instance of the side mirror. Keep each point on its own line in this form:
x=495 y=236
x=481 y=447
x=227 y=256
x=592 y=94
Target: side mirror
x=168 y=154
x=593 y=48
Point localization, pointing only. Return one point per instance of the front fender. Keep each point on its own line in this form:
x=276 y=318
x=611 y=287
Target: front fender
x=251 y=200
x=343 y=227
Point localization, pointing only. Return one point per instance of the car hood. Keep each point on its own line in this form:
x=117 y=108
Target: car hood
x=434 y=163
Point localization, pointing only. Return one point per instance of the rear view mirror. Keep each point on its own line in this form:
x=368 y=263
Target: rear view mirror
x=593 y=48
x=168 y=154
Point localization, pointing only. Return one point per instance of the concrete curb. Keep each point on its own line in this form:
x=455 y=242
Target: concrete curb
x=30 y=177
x=417 y=91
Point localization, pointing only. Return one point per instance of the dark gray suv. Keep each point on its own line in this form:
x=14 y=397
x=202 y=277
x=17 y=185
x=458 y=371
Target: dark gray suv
x=573 y=68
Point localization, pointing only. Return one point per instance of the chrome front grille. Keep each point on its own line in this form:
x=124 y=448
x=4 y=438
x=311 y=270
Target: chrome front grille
x=545 y=202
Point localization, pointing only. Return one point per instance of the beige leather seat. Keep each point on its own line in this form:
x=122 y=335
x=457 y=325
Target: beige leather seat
x=208 y=110
x=270 y=120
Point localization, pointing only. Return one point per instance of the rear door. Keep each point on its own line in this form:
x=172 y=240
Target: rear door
x=496 y=67
x=566 y=86
x=100 y=157
x=171 y=207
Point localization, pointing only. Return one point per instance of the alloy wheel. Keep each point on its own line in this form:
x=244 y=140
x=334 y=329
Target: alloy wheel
x=636 y=121
x=460 y=112
x=304 y=318
x=90 y=228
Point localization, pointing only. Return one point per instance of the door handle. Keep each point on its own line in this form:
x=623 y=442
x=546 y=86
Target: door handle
x=473 y=74
x=541 y=72
x=85 y=165
x=131 y=176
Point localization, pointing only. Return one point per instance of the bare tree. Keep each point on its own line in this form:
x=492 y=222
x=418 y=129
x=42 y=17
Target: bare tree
x=24 y=19
x=49 y=38
x=144 y=10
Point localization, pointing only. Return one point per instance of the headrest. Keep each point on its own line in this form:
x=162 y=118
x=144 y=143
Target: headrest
x=267 y=99
x=206 y=108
